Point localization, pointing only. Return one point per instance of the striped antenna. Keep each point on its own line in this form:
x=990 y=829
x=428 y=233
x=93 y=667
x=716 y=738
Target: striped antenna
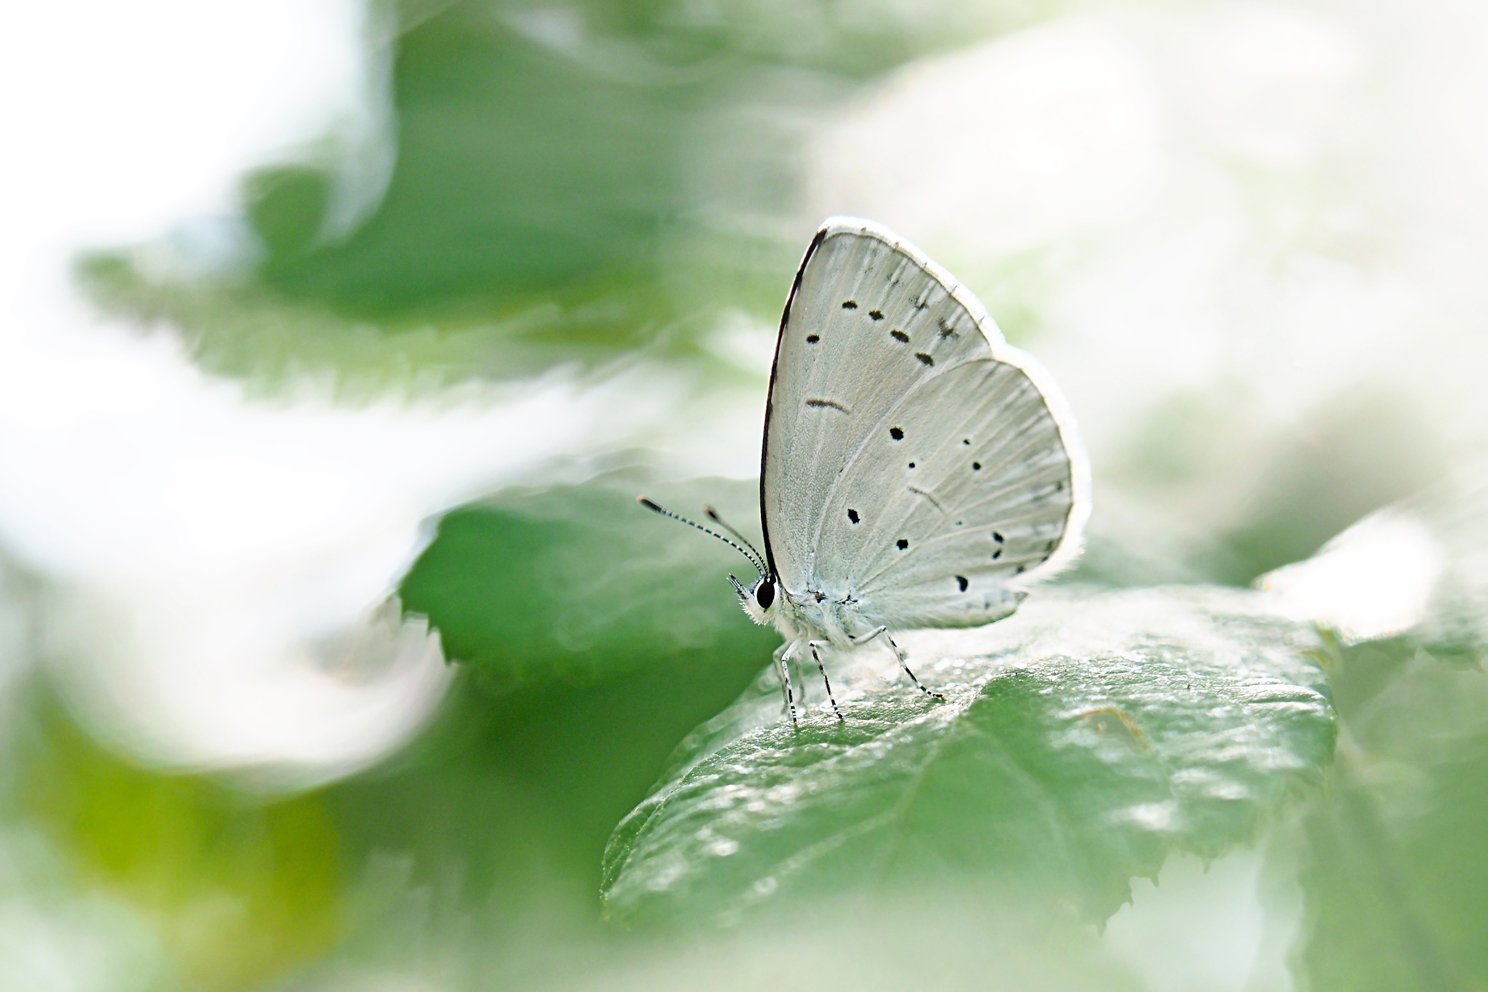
x=751 y=554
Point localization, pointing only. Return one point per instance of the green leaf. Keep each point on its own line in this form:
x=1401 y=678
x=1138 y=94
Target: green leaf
x=1081 y=740
x=579 y=583
x=1395 y=880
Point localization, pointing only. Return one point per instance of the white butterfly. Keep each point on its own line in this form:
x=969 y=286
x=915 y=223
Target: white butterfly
x=918 y=471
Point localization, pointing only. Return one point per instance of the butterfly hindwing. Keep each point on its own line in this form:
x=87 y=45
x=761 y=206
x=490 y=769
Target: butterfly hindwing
x=986 y=502
x=912 y=458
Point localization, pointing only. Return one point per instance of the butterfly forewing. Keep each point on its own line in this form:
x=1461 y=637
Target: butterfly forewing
x=912 y=458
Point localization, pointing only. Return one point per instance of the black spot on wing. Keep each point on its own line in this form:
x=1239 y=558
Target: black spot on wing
x=876 y=314
x=894 y=432
x=924 y=358
x=976 y=466
x=911 y=464
x=902 y=544
x=899 y=336
x=961 y=581
x=849 y=305
x=812 y=338
x=852 y=515
x=997 y=537
x=831 y=403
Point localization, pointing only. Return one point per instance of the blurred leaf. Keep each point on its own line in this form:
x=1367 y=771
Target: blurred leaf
x=286 y=206
x=257 y=333
x=940 y=940
x=569 y=184
x=1082 y=740
x=539 y=144
x=1359 y=451
x=1455 y=628
x=1396 y=881
x=240 y=892
x=556 y=150
x=580 y=583
x=515 y=168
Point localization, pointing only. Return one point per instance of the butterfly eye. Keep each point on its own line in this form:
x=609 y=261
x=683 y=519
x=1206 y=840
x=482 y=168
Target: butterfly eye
x=764 y=593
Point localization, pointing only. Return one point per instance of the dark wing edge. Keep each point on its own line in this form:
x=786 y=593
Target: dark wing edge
x=821 y=235
x=1072 y=541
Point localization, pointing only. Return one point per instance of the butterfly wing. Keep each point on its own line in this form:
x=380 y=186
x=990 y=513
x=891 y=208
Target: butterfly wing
x=912 y=457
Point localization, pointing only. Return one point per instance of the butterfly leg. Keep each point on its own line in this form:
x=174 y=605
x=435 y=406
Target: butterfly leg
x=815 y=645
x=865 y=638
x=783 y=668
x=904 y=664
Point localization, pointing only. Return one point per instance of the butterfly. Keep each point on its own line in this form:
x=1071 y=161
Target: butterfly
x=917 y=470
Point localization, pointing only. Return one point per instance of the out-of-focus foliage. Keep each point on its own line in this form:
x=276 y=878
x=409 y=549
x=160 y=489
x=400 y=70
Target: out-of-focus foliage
x=238 y=892
x=544 y=144
x=1325 y=479
x=1397 y=883
x=1397 y=880
x=571 y=183
x=578 y=584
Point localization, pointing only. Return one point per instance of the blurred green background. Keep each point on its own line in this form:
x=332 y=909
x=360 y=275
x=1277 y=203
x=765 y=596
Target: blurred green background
x=595 y=188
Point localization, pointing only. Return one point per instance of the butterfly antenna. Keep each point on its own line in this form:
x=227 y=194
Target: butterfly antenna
x=753 y=556
x=713 y=516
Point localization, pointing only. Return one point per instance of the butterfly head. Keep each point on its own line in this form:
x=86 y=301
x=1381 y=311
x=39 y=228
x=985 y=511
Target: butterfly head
x=759 y=600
